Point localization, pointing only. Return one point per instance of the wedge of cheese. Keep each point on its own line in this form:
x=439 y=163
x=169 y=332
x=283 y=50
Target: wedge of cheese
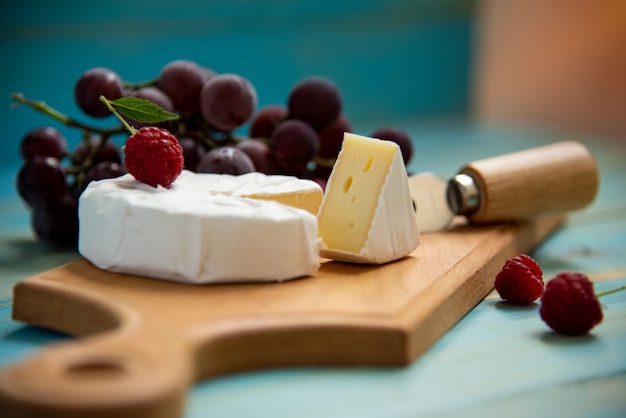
x=206 y=228
x=367 y=213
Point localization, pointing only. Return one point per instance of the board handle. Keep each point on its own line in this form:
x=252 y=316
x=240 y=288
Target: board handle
x=555 y=178
x=105 y=376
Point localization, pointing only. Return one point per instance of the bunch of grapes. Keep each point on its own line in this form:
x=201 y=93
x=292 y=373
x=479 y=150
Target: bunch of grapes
x=51 y=179
x=301 y=137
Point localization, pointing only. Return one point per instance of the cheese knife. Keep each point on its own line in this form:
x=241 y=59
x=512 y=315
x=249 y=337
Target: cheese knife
x=554 y=178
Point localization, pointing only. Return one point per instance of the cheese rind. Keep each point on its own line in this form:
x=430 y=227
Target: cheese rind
x=367 y=213
x=198 y=231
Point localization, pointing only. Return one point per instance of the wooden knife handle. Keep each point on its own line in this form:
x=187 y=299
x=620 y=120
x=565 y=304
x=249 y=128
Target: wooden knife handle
x=555 y=178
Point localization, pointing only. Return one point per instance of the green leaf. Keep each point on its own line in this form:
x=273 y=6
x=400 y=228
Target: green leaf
x=142 y=110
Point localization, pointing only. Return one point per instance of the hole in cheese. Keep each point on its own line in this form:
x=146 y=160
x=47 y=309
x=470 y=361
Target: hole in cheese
x=347 y=184
x=368 y=164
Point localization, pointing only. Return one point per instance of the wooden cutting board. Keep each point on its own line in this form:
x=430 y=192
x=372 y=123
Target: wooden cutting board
x=143 y=342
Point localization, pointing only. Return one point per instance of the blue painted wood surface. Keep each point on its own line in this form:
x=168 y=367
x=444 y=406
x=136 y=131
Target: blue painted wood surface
x=397 y=62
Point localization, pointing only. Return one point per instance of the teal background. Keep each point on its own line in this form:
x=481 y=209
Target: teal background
x=391 y=59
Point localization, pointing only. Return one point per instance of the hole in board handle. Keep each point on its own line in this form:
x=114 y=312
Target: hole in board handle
x=96 y=368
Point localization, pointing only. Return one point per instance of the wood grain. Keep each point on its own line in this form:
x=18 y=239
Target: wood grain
x=554 y=178
x=143 y=342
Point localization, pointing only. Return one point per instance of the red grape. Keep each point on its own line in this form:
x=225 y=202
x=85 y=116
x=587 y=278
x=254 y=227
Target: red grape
x=46 y=141
x=101 y=171
x=315 y=100
x=297 y=170
x=193 y=151
x=94 y=83
x=266 y=120
x=107 y=152
x=227 y=101
x=41 y=181
x=322 y=182
x=57 y=225
x=182 y=81
x=398 y=136
x=294 y=144
x=260 y=154
x=226 y=160
x=331 y=138
x=322 y=172
x=206 y=74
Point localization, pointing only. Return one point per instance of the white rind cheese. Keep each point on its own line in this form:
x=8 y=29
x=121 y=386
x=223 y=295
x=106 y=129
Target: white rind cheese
x=202 y=229
x=369 y=176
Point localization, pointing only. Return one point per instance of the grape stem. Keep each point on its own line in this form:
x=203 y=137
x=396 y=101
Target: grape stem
x=117 y=115
x=608 y=292
x=137 y=86
x=42 y=107
x=205 y=135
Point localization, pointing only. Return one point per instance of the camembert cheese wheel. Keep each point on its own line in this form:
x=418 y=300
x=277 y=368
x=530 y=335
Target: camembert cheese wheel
x=206 y=228
x=367 y=213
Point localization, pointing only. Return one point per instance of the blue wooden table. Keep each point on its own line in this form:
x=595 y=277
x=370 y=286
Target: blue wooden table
x=498 y=360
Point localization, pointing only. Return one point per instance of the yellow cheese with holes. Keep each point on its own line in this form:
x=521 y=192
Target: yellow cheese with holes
x=367 y=213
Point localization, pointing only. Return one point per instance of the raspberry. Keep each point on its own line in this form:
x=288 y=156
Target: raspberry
x=569 y=305
x=520 y=281
x=153 y=156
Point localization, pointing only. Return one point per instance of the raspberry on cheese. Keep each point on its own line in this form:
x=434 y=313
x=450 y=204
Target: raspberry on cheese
x=153 y=156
